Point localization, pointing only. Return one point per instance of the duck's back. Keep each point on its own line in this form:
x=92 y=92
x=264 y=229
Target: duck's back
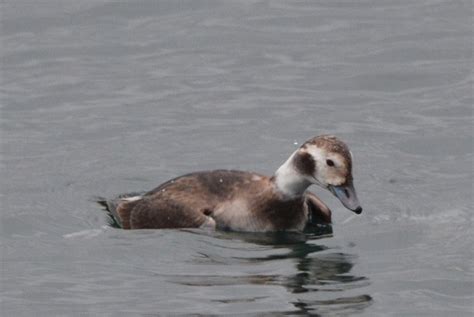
x=217 y=184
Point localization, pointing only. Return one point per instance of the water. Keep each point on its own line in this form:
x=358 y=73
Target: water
x=104 y=97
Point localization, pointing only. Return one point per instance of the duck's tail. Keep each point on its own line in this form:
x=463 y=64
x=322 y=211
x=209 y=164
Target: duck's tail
x=110 y=206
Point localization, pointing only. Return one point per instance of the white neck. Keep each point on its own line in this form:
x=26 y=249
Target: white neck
x=289 y=181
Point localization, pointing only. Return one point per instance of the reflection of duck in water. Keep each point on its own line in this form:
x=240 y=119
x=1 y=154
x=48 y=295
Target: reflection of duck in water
x=318 y=278
x=245 y=201
x=329 y=273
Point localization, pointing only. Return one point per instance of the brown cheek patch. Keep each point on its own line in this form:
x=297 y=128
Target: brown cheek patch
x=304 y=163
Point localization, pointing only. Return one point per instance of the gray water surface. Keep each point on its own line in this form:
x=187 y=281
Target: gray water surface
x=104 y=97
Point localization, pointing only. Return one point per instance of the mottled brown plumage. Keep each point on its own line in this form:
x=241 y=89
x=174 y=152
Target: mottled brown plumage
x=246 y=201
x=235 y=200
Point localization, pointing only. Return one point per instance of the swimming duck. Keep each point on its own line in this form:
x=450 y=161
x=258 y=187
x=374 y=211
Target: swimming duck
x=247 y=201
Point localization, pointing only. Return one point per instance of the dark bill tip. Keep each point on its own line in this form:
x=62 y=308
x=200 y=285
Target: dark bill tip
x=348 y=197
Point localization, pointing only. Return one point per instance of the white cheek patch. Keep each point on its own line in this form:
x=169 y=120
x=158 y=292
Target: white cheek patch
x=325 y=174
x=317 y=153
x=319 y=157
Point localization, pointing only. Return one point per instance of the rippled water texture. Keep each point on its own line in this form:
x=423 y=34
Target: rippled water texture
x=105 y=97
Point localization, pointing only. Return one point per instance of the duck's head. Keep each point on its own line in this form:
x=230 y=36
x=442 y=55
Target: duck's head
x=324 y=161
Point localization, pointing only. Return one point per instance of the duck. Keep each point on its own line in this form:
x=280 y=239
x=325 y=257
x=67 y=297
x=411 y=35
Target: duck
x=247 y=201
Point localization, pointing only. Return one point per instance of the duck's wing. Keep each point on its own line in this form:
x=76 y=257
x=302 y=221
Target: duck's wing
x=156 y=212
x=318 y=211
x=164 y=211
x=184 y=202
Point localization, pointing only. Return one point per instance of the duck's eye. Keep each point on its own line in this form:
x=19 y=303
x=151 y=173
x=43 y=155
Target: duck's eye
x=330 y=162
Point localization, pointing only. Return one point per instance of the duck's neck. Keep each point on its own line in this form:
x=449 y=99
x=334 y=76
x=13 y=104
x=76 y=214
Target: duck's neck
x=289 y=181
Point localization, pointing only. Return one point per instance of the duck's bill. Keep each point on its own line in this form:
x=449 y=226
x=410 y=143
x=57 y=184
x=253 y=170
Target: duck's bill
x=348 y=197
